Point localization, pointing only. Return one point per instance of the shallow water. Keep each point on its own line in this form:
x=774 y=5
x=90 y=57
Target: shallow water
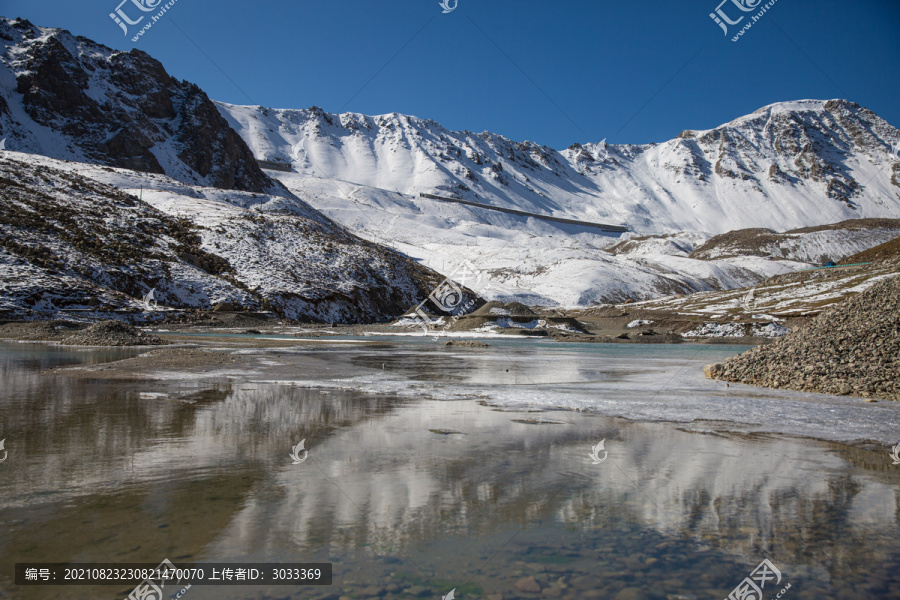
x=431 y=469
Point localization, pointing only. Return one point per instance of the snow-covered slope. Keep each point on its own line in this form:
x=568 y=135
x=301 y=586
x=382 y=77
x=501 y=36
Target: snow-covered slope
x=818 y=245
x=75 y=236
x=787 y=165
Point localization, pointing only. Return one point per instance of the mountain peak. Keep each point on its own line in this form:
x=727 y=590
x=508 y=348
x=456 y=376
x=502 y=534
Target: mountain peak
x=788 y=164
x=78 y=100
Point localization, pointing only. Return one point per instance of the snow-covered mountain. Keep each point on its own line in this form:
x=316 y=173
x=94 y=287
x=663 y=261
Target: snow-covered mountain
x=116 y=179
x=785 y=166
x=82 y=237
x=70 y=98
x=788 y=165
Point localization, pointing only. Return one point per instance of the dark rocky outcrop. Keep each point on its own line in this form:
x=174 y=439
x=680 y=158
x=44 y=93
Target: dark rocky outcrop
x=70 y=245
x=467 y=344
x=120 y=109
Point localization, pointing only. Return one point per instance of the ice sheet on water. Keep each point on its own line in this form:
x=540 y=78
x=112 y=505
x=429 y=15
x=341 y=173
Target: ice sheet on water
x=658 y=384
x=687 y=397
x=384 y=385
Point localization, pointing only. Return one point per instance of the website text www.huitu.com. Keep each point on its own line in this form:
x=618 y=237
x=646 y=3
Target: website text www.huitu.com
x=754 y=19
x=154 y=19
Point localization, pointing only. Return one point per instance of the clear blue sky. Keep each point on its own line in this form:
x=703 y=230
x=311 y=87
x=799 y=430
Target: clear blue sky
x=558 y=72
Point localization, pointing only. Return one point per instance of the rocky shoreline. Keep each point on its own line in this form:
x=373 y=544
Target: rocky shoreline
x=850 y=349
x=77 y=333
x=102 y=333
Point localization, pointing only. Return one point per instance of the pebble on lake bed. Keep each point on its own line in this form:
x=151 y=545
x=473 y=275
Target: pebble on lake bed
x=528 y=585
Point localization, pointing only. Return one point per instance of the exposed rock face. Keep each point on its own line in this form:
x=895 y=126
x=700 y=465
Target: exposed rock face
x=115 y=108
x=852 y=348
x=512 y=309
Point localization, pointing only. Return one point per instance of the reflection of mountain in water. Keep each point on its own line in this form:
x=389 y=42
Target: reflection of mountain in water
x=390 y=483
x=78 y=435
x=205 y=472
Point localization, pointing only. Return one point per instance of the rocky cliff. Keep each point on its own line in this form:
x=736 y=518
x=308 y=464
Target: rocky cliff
x=67 y=97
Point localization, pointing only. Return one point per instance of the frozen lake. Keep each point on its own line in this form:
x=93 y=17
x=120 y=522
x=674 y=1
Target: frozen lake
x=433 y=468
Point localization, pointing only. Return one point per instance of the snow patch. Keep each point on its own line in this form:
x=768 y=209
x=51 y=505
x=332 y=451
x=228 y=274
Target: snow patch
x=738 y=330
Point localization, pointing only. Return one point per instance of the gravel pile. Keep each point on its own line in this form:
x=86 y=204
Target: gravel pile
x=112 y=333
x=852 y=348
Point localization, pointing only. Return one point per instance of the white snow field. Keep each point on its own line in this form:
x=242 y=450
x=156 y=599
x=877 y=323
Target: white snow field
x=784 y=166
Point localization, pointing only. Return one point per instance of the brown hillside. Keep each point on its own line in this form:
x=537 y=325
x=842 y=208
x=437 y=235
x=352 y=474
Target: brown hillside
x=883 y=251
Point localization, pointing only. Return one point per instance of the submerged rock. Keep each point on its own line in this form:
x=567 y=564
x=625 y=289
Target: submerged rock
x=529 y=585
x=467 y=343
